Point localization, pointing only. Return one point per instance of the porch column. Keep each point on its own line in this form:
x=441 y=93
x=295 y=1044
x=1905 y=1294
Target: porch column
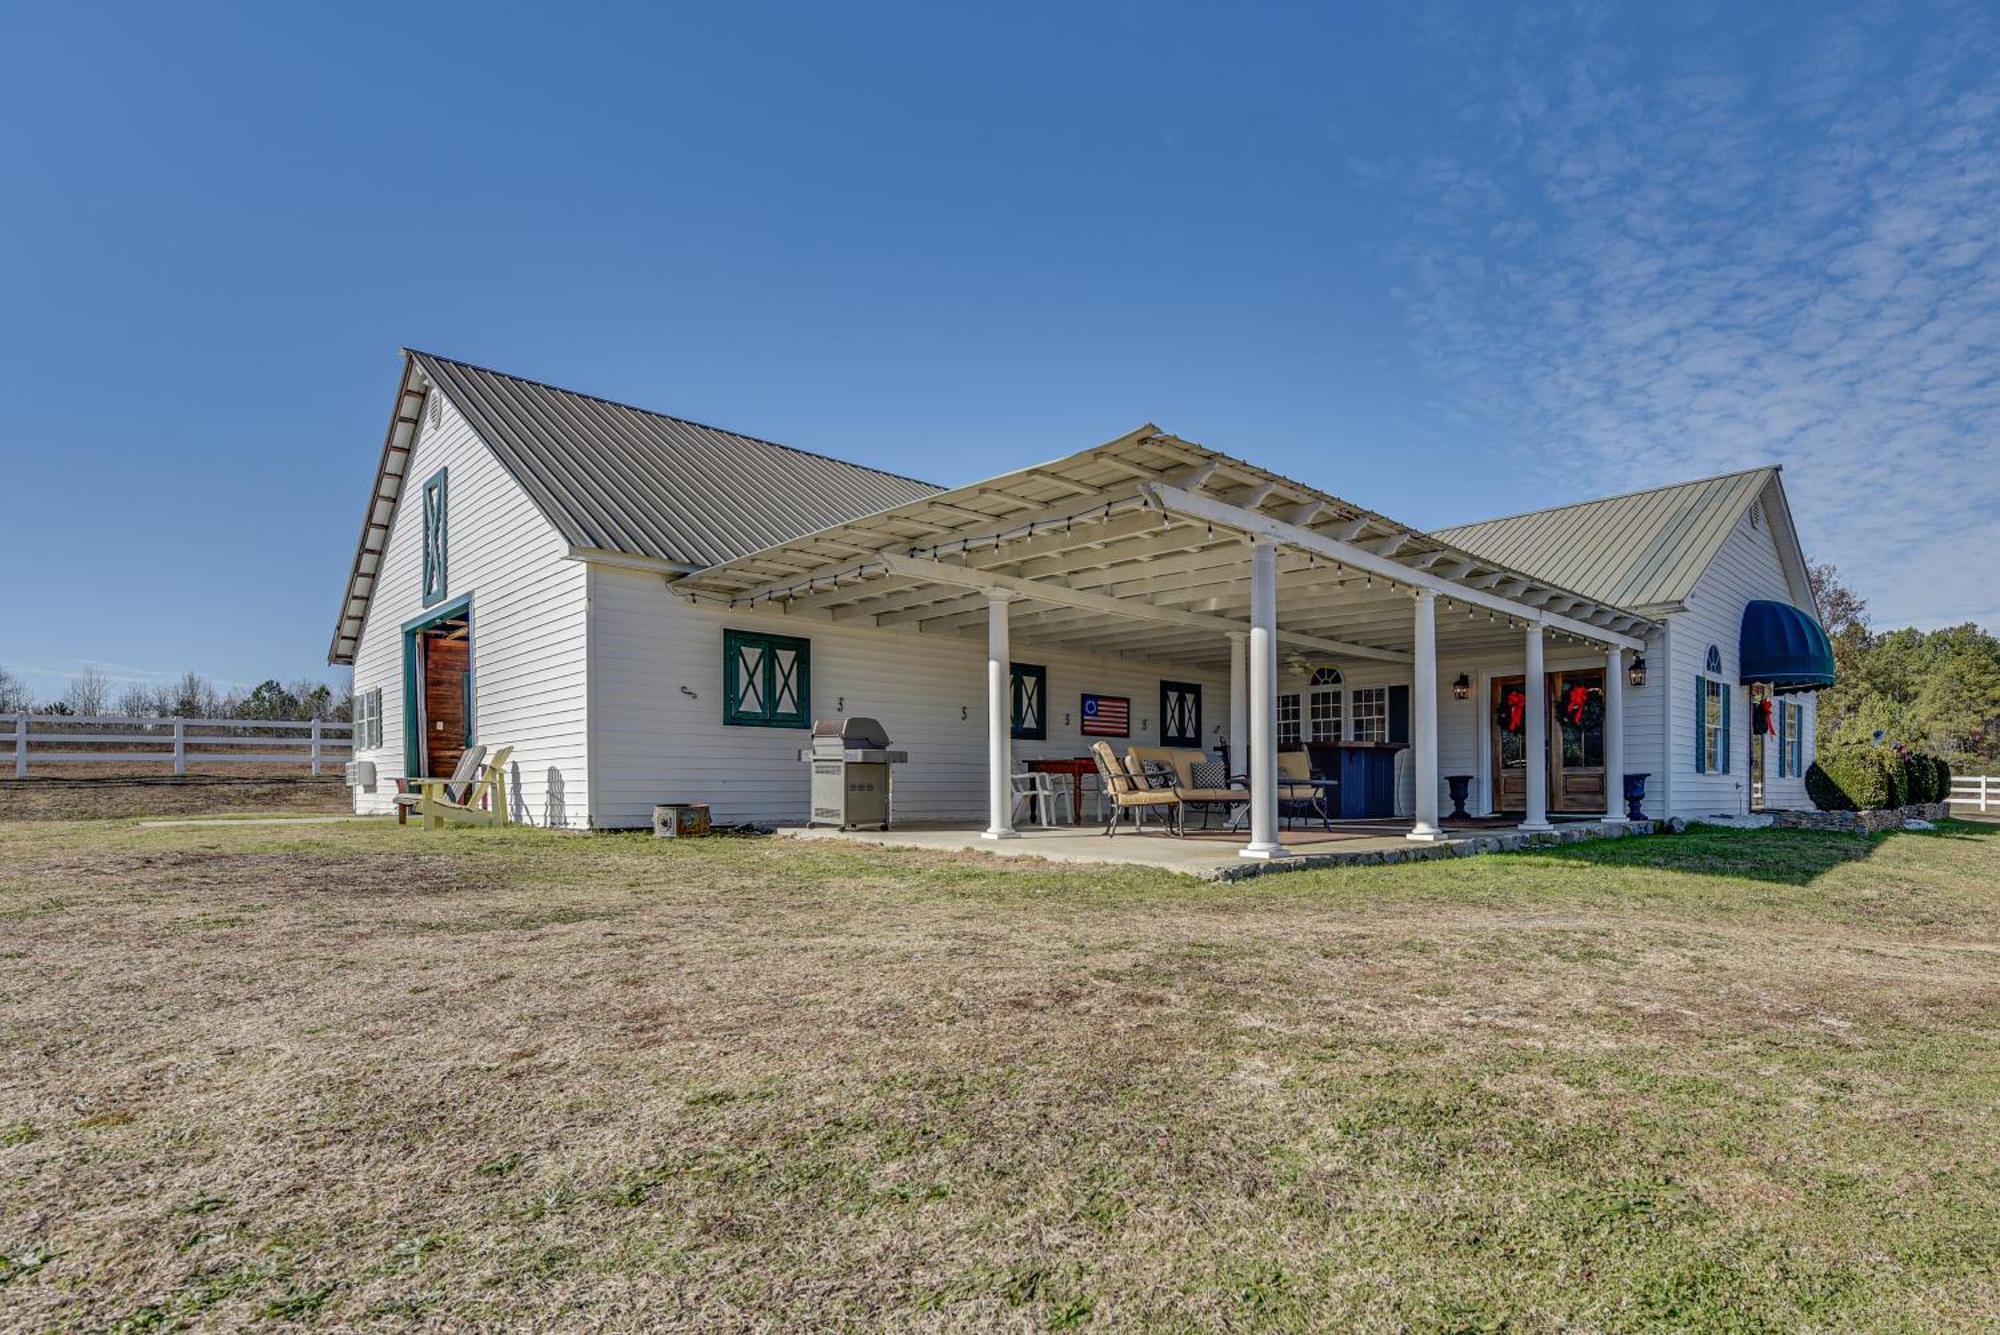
x=1614 y=735
x=1263 y=702
x=1535 y=743
x=1239 y=702
x=999 y=722
x=1424 y=721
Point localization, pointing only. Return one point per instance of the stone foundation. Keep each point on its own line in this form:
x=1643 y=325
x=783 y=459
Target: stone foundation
x=1860 y=822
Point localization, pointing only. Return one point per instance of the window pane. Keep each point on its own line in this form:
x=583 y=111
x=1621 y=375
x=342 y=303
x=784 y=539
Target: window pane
x=1371 y=714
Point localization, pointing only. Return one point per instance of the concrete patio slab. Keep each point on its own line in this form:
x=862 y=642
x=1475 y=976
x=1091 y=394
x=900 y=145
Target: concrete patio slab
x=1212 y=855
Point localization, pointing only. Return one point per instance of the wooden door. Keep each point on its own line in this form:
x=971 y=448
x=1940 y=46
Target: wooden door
x=1576 y=741
x=445 y=661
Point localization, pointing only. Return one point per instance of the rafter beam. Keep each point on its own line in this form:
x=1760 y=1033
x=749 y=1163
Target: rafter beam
x=1128 y=609
x=1179 y=501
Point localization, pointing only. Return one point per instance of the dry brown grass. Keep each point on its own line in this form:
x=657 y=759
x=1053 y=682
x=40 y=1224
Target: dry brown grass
x=354 y=1075
x=88 y=792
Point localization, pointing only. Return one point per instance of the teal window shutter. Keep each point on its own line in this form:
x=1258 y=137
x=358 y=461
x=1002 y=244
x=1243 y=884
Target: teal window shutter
x=436 y=500
x=766 y=680
x=467 y=681
x=1727 y=691
x=1030 y=693
x=1700 y=725
x=1783 y=709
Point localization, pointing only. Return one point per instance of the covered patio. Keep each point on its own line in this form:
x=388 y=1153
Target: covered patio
x=1156 y=550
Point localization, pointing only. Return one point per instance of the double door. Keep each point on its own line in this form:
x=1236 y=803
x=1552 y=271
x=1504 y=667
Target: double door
x=1574 y=705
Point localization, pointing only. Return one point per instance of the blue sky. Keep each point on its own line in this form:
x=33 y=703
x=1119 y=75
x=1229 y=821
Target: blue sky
x=1447 y=261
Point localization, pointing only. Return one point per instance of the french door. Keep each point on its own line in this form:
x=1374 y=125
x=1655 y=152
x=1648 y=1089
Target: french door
x=1574 y=707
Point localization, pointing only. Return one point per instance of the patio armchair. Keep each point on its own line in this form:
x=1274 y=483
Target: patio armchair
x=1295 y=786
x=1126 y=793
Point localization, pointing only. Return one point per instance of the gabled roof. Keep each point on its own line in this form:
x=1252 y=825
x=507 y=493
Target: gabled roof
x=1644 y=550
x=614 y=478
x=621 y=479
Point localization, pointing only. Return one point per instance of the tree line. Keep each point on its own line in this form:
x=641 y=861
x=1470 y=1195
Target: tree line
x=1936 y=691
x=190 y=695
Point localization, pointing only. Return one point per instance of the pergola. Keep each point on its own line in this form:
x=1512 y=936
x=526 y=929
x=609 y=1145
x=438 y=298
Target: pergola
x=1154 y=548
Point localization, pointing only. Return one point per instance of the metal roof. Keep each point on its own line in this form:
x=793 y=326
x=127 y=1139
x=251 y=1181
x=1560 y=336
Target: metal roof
x=1105 y=552
x=1643 y=550
x=618 y=478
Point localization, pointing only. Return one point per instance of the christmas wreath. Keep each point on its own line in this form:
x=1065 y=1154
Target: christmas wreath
x=1510 y=715
x=1583 y=706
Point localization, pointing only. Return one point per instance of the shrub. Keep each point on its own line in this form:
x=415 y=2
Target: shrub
x=1943 y=768
x=1916 y=777
x=1854 y=778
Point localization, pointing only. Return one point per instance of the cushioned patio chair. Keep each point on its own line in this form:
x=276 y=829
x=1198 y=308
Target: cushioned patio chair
x=1295 y=786
x=1126 y=793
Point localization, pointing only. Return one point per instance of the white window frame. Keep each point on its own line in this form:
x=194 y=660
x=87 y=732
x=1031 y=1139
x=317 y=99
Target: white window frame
x=1370 y=713
x=1324 y=714
x=1795 y=739
x=1288 y=718
x=1712 y=739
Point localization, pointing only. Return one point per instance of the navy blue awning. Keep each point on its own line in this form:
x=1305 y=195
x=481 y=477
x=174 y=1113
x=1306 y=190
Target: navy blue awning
x=1783 y=646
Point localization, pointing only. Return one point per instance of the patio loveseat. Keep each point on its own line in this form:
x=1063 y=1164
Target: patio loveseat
x=1181 y=763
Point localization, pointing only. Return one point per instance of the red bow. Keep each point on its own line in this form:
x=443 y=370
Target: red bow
x=1517 y=706
x=1573 y=703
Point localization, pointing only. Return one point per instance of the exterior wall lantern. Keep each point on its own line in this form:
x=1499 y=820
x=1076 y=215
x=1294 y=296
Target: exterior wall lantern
x=1462 y=688
x=1637 y=673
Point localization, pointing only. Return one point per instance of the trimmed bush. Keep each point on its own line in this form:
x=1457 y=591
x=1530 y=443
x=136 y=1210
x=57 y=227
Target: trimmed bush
x=1854 y=778
x=1823 y=792
x=1917 y=779
x=1943 y=768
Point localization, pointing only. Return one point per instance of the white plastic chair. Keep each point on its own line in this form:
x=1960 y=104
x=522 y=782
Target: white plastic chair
x=1037 y=793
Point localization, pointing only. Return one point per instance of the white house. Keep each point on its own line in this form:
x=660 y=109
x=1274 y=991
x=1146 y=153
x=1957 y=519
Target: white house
x=649 y=610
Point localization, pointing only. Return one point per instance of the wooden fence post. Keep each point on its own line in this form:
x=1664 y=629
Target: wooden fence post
x=20 y=746
x=315 y=749
x=180 y=746
x=1983 y=781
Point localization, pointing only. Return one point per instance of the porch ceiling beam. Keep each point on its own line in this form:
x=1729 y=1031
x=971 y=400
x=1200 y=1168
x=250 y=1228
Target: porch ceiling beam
x=1062 y=595
x=1071 y=622
x=1177 y=501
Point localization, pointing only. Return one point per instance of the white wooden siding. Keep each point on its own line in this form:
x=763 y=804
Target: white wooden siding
x=1746 y=568
x=528 y=626
x=656 y=666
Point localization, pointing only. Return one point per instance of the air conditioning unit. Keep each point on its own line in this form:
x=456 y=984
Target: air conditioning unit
x=361 y=774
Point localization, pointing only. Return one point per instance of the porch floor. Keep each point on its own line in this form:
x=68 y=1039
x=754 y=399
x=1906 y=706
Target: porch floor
x=1212 y=854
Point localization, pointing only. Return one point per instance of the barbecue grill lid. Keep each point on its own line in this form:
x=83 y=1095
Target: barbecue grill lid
x=856 y=733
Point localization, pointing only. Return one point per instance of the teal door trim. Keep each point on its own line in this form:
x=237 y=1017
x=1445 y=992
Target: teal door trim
x=412 y=751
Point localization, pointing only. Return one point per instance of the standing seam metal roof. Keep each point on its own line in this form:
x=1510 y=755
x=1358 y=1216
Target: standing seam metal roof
x=1642 y=550
x=622 y=479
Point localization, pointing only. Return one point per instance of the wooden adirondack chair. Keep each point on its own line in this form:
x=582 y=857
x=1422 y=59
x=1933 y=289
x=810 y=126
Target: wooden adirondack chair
x=456 y=787
x=443 y=802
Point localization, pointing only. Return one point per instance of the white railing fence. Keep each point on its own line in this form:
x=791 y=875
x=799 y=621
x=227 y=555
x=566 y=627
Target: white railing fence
x=1981 y=792
x=86 y=739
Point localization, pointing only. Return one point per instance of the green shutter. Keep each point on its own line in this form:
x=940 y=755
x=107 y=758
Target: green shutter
x=1700 y=725
x=1028 y=687
x=436 y=500
x=1727 y=691
x=766 y=680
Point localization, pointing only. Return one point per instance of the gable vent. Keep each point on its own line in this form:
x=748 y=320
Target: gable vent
x=437 y=409
x=1756 y=514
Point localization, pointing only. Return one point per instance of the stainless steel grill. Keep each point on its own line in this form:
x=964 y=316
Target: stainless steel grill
x=850 y=759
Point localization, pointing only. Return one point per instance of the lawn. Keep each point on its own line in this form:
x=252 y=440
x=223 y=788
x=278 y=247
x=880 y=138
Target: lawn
x=353 y=1075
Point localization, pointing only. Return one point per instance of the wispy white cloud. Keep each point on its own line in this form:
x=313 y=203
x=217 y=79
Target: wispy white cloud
x=1652 y=266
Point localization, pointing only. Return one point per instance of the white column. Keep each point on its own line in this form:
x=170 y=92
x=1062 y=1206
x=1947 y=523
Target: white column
x=1614 y=736
x=999 y=722
x=1536 y=742
x=1263 y=702
x=1239 y=702
x=1424 y=721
